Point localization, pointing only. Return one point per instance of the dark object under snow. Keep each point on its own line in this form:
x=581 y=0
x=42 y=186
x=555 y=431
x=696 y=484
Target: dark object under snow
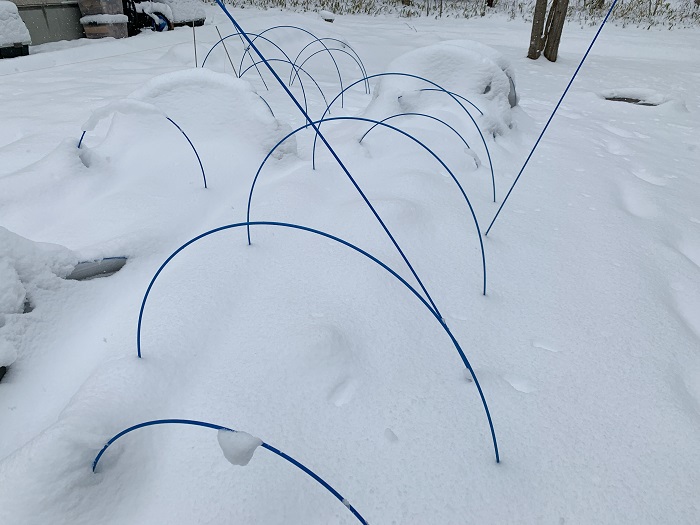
x=93 y=269
x=16 y=50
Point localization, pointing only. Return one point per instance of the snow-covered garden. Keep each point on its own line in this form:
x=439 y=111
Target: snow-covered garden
x=365 y=321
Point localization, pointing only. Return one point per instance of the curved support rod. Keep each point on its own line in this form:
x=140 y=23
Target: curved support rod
x=417 y=115
x=239 y=35
x=294 y=74
x=297 y=69
x=319 y=135
x=193 y=149
x=425 y=303
x=306 y=470
x=340 y=78
x=199 y=160
x=268 y=105
x=458 y=96
x=344 y=44
x=440 y=88
x=383 y=124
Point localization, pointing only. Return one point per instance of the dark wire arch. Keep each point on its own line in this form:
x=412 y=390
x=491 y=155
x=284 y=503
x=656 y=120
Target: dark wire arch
x=199 y=160
x=383 y=124
x=252 y=42
x=297 y=69
x=425 y=303
x=418 y=115
x=344 y=44
x=306 y=470
x=294 y=74
x=440 y=88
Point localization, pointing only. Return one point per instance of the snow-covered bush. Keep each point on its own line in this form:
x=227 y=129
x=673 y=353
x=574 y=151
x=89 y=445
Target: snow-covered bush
x=12 y=28
x=25 y=268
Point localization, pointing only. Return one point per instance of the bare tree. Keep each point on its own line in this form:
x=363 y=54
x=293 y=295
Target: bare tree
x=545 y=36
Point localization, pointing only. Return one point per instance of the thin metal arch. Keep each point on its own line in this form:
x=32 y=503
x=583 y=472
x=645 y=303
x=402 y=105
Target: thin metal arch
x=294 y=74
x=199 y=160
x=483 y=140
x=425 y=303
x=417 y=115
x=352 y=55
x=340 y=78
x=297 y=68
x=306 y=470
x=384 y=124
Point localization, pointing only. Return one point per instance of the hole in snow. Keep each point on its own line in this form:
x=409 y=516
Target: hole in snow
x=84 y=271
x=630 y=100
x=3 y=370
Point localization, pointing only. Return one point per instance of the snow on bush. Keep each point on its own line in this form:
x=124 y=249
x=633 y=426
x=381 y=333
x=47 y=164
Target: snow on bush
x=25 y=267
x=467 y=68
x=12 y=28
x=186 y=10
x=238 y=447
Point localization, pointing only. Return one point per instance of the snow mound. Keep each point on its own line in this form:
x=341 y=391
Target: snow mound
x=205 y=104
x=186 y=10
x=466 y=68
x=238 y=447
x=12 y=28
x=25 y=267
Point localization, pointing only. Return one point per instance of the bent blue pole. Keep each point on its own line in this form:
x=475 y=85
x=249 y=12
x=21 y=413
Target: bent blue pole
x=297 y=69
x=383 y=124
x=199 y=160
x=418 y=115
x=306 y=470
x=537 y=142
x=251 y=44
x=193 y=149
x=221 y=41
x=294 y=75
x=435 y=313
x=440 y=88
x=344 y=44
x=326 y=143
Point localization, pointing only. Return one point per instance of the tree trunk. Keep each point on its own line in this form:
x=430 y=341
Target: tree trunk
x=536 y=36
x=551 y=47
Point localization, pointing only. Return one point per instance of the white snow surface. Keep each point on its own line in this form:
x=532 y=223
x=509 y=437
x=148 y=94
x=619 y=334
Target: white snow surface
x=586 y=345
x=238 y=447
x=12 y=27
x=104 y=19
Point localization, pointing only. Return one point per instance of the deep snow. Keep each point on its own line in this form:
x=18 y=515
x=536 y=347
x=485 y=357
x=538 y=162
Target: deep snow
x=586 y=345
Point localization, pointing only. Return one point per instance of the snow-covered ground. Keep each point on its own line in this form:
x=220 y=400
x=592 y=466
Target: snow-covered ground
x=587 y=344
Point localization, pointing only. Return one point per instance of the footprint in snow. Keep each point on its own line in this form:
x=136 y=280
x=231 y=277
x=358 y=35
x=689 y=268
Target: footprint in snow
x=636 y=203
x=520 y=384
x=544 y=346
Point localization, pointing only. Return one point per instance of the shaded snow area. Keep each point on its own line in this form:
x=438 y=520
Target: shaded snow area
x=12 y=27
x=586 y=345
